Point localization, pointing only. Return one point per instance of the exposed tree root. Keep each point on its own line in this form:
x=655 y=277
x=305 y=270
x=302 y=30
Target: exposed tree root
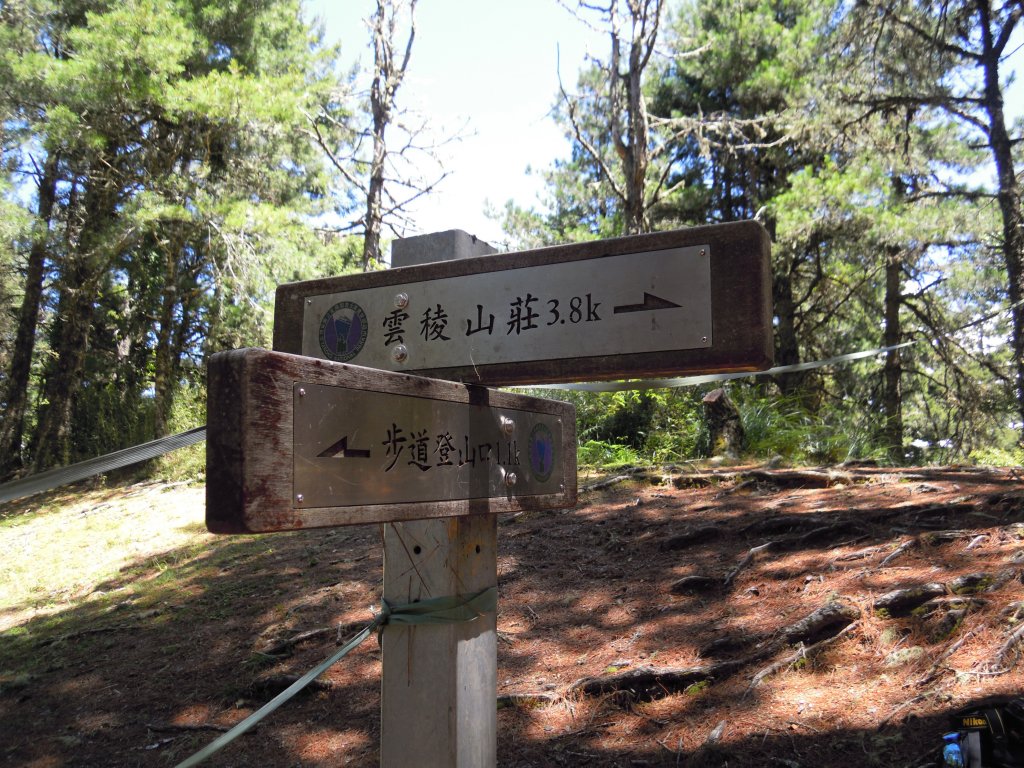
x=646 y=682
x=800 y=653
x=860 y=554
x=342 y=632
x=690 y=536
x=901 y=549
x=527 y=700
x=637 y=473
x=933 y=670
x=907 y=704
x=188 y=727
x=783 y=523
x=819 y=628
x=901 y=602
x=747 y=560
x=275 y=684
x=1008 y=653
x=84 y=633
x=824 y=623
x=690 y=585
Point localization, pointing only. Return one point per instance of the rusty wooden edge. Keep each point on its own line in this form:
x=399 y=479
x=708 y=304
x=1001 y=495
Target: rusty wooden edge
x=250 y=430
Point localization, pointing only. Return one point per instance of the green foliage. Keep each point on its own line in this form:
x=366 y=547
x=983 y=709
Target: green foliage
x=186 y=188
x=866 y=180
x=695 y=689
x=602 y=455
x=997 y=457
x=187 y=463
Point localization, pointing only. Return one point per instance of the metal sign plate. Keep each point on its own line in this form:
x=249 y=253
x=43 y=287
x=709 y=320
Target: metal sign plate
x=354 y=447
x=666 y=303
x=294 y=442
x=651 y=301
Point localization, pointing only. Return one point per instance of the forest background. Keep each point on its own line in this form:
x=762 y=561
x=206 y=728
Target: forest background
x=168 y=163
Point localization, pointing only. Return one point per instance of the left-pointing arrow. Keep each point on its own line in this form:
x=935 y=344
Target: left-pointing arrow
x=340 y=450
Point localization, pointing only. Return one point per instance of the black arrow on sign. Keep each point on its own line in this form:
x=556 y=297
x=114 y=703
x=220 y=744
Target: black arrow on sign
x=651 y=302
x=340 y=450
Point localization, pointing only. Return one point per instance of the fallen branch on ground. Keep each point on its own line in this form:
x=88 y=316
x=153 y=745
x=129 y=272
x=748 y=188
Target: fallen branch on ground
x=287 y=644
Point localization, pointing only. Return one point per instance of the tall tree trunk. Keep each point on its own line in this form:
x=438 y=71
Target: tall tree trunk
x=64 y=376
x=387 y=77
x=787 y=348
x=892 y=395
x=632 y=139
x=15 y=398
x=1008 y=195
x=78 y=286
x=375 y=189
x=163 y=356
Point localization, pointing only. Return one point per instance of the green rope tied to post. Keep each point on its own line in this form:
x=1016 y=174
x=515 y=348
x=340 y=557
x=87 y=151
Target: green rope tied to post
x=451 y=609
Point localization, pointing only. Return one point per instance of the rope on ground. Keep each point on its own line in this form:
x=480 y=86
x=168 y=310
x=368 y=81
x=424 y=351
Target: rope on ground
x=439 y=610
x=54 y=478
x=693 y=381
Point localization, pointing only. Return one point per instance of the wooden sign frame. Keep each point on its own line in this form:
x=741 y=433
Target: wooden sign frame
x=250 y=467
x=740 y=307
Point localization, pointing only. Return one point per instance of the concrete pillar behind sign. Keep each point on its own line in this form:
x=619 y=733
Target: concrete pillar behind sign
x=439 y=682
x=440 y=246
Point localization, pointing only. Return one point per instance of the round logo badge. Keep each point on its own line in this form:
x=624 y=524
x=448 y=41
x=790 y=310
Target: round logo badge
x=343 y=331
x=542 y=452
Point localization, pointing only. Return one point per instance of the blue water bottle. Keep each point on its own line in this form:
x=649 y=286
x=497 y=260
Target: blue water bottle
x=951 y=753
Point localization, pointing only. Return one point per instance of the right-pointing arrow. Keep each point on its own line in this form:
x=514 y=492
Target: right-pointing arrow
x=650 y=303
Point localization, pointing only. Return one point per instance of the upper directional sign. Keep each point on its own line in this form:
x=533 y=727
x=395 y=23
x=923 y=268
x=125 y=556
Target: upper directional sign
x=695 y=300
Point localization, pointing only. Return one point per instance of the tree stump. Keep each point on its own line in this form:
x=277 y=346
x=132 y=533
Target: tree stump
x=724 y=427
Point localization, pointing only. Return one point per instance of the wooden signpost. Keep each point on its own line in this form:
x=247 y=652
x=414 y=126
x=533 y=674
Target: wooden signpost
x=329 y=429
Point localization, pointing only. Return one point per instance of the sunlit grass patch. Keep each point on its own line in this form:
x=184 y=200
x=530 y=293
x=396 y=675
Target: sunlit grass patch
x=76 y=548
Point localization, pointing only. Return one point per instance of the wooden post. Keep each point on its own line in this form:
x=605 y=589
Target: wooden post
x=439 y=681
x=439 y=686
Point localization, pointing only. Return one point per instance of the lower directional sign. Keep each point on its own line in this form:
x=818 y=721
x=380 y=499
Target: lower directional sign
x=295 y=442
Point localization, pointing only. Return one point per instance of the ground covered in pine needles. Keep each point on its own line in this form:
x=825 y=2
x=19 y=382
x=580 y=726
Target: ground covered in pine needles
x=702 y=617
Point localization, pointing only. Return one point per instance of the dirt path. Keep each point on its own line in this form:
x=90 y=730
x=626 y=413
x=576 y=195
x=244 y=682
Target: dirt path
x=741 y=617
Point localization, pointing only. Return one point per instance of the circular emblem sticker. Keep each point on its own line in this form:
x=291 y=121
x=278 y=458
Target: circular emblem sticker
x=343 y=331
x=542 y=452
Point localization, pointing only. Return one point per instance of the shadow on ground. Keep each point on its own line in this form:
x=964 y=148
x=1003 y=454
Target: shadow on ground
x=145 y=670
